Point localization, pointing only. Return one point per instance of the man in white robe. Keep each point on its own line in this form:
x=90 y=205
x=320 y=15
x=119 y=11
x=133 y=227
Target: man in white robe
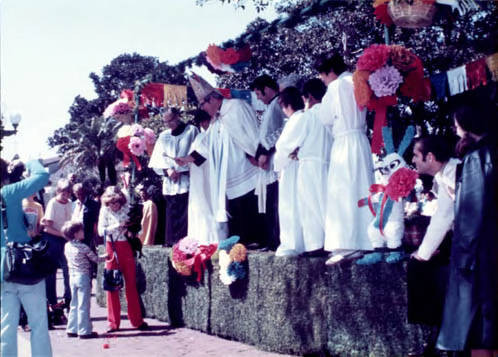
x=272 y=122
x=171 y=143
x=351 y=165
x=202 y=224
x=232 y=140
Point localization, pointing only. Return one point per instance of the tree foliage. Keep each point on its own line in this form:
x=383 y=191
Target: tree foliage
x=291 y=44
x=87 y=136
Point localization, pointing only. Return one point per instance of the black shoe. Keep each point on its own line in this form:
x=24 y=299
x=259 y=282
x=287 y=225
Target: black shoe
x=90 y=335
x=264 y=249
x=143 y=327
x=70 y=334
x=110 y=329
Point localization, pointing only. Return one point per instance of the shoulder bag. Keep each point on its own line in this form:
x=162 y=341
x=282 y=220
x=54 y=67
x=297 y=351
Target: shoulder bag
x=112 y=279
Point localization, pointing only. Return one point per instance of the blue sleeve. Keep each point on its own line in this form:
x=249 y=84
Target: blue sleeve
x=35 y=182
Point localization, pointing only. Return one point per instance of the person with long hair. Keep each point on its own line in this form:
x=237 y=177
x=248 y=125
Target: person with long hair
x=112 y=225
x=470 y=317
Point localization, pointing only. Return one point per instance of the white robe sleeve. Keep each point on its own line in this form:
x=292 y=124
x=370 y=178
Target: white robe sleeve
x=291 y=138
x=239 y=119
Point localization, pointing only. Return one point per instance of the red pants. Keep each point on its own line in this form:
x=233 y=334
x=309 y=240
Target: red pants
x=127 y=267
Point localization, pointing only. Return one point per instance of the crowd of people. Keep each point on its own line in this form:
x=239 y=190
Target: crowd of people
x=288 y=180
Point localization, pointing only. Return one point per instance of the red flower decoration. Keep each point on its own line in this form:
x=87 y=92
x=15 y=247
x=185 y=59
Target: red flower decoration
x=401 y=183
x=373 y=58
x=362 y=91
x=229 y=56
x=178 y=255
x=213 y=52
x=415 y=86
x=382 y=15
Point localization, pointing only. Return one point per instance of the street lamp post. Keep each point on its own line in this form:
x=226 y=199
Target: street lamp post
x=15 y=119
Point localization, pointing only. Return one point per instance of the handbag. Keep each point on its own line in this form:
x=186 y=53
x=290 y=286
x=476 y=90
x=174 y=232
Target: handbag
x=112 y=280
x=28 y=263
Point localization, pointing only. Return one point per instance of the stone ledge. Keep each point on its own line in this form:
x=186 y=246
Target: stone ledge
x=289 y=305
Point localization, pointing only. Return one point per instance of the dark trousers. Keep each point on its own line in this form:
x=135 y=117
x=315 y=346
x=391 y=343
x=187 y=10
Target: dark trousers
x=243 y=218
x=270 y=225
x=176 y=217
x=57 y=243
x=107 y=164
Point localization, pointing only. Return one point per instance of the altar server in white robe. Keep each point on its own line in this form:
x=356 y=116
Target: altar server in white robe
x=314 y=142
x=291 y=233
x=202 y=224
x=232 y=140
x=351 y=164
x=171 y=143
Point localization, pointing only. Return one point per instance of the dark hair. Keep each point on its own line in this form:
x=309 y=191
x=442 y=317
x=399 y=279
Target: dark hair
x=173 y=110
x=439 y=146
x=264 y=81
x=474 y=118
x=16 y=174
x=315 y=88
x=291 y=96
x=70 y=228
x=330 y=63
x=200 y=116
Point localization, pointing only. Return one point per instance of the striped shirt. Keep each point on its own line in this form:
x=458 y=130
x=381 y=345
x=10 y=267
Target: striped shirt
x=78 y=257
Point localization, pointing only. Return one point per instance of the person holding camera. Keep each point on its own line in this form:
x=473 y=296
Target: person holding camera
x=32 y=297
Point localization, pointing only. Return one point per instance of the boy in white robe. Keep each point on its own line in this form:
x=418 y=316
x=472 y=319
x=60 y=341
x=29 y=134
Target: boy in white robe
x=291 y=237
x=314 y=142
x=351 y=165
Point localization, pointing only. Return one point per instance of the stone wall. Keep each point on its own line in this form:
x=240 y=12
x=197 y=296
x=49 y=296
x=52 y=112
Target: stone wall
x=289 y=305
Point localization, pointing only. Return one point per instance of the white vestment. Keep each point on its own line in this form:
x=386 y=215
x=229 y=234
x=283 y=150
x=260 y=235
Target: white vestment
x=350 y=170
x=314 y=142
x=168 y=147
x=291 y=237
x=231 y=136
x=202 y=225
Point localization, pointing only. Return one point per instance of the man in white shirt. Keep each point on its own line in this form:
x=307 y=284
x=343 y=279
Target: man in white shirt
x=432 y=157
x=272 y=122
x=231 y=141
x=427 y=271
x=174 y=142
x=351 y=165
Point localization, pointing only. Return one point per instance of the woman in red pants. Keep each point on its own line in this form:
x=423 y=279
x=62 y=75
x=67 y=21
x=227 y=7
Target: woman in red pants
x=112 y=220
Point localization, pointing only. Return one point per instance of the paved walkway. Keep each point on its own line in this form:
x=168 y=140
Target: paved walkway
x=160 y=340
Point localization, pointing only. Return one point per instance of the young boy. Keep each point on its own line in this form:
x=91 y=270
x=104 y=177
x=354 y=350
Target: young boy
x=78 y=257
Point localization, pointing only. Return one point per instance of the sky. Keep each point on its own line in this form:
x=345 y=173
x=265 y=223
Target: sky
x=48 y=48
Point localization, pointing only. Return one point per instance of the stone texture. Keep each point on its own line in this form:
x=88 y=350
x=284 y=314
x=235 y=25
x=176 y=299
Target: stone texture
x=288 y=304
